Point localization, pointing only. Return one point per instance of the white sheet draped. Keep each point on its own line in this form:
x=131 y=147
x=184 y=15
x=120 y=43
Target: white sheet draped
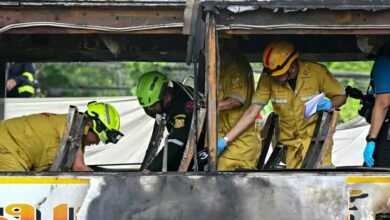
x=349 y=139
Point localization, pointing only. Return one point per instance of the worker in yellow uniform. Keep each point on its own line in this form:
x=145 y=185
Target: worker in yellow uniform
x=30 y=143
x=235 y=90
x=288 y=83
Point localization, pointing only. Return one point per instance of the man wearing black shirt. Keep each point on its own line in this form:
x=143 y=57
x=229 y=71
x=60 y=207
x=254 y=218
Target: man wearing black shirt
x=157 y=95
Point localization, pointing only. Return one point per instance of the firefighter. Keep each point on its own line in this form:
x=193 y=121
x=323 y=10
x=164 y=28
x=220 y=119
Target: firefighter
x=30 y=143
x=288 y=83
x=159 y=95
x=235 y=90
x=20 y=80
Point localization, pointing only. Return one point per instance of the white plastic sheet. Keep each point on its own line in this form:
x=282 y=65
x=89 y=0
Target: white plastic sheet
x=349 y=139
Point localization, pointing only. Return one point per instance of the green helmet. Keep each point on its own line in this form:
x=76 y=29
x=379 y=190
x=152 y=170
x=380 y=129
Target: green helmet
x=150 y=87
x=106 y=121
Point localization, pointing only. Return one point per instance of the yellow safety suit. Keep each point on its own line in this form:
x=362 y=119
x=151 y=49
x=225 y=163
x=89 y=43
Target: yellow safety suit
x=236 y=81
x=295 y=131
x=29 y=143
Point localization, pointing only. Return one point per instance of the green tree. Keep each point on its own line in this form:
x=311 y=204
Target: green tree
x=94 y=79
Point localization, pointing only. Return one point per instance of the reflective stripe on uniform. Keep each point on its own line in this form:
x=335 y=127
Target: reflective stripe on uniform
x=175 y=141
x=279 y=101
x=259 y=103
x=29 y=76
x=26 y=88
x=238 y=98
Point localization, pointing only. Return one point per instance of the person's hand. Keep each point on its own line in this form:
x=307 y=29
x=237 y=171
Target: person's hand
x=368 y=153
x=325 y=104
x=221 y=146
x=11 y=83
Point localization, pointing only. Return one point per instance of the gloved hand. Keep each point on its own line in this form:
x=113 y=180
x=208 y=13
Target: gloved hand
x=325 y=104
x=368 y=153
x=221 y=146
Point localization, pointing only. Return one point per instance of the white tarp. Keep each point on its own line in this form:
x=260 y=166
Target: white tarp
x=349 y=142
x=349 y=139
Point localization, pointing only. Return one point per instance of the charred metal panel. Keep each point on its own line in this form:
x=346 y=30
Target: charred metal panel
x=266 y=196
x=23 y=20
x=225 y=196
x=34 y=30
x=251 y=195
x=302 y=5
x=321 y=21
x=87 y=47
x=95 y=3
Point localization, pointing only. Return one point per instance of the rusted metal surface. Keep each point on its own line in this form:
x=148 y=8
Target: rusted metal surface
x=328 y=143
x=90 y=19
x=155 y=141
x=94 y=3
x=211 y=72
x=305 y=23
x=302 y=5
x=70 y=47
x=267 y=133
x=3 y=87
x=193 y=137
x=321 y=21
x=320 y=134
x=71 y=140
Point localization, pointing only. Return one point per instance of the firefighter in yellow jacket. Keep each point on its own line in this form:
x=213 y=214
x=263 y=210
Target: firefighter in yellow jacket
x=288 y=83
x=235 y=90
x=30 y=143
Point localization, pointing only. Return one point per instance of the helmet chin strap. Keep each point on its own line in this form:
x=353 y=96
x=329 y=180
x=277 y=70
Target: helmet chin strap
x=162 y=105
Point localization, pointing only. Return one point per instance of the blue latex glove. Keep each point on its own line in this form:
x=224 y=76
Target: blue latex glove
x=221 y=146
x=325 y=104
x=368 y=152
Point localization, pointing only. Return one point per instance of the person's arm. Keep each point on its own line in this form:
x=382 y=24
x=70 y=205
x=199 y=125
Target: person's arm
x=382 y=103
x=246 y=119
x=338 y=100
x=332 y=88
x=11 y=83
x=228 y=104
x=79 y=164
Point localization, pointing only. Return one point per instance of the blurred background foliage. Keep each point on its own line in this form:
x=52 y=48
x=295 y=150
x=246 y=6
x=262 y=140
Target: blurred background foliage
x=119 y=79
x=98 y=79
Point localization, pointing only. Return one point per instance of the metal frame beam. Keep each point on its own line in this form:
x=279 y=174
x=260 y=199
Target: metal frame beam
x=3 y=81
x=87 y=20
x=212 y=82
x=320 y=21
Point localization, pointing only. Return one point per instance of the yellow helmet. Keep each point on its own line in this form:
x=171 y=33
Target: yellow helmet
x=278 y=57
x=106 y=121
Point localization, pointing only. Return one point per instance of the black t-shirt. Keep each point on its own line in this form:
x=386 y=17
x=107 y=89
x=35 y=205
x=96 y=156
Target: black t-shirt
x=179 y=117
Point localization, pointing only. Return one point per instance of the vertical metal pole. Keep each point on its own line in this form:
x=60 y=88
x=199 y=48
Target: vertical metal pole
x=3 y=80
x=211 y=71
